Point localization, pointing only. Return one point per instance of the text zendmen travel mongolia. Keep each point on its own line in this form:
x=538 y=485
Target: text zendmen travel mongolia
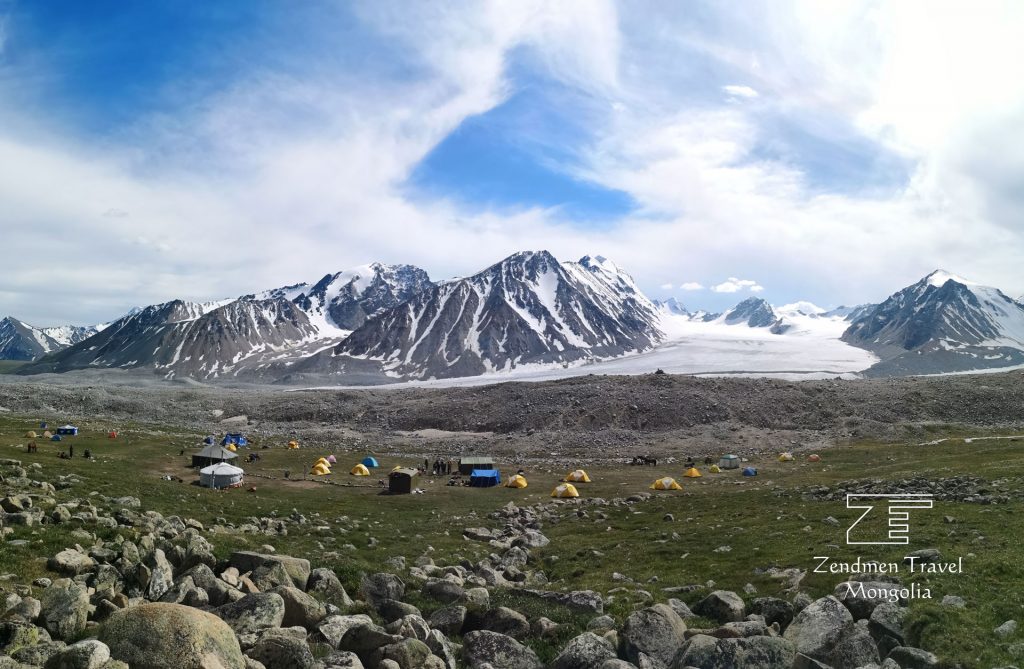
x=891 y=593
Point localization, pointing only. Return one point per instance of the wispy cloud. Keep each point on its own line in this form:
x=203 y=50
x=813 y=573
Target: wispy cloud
x=734 y=285
x=691 y=285
x=737 y=91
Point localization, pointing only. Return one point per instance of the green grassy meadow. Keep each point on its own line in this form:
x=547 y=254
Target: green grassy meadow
x=725 y=528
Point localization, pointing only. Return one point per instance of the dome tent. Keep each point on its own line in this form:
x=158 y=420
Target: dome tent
x=667 y=483
x=749 y=471
x=692 y=473
x=814 y=457
x=565 y=490
x=785 y=457
x=360 y=470
x=370 y=462
x=30 y=434
x=577 y=476
x=715 y=469
x=517 y=481
x=221 y=475
x=331 y=459
x=292 y=445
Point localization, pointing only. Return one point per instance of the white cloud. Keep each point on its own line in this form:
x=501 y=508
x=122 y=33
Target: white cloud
x=666 y=286
x=691 y=285
x=737 y=91
x=734 y=285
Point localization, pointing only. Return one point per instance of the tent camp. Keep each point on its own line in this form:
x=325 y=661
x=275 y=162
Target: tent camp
x=517 y=481
x=729 y=461
x=67 y=431
x=577 y=476
x=565 y=490
x=402 y=481
x=667 y=483
x=715 y=469
x=692 y=473
x=467 y=465
x=360 y=470
x=211 y=455
x=813 y=457
x=293 y=444
x=221 y=475
x=785 y=457
x=47 y=434
x=749 y=471
x=484 y=478
x=234 y=438
x=209 y=440
x=30 y=435
x=370 y=462
x=320 y=469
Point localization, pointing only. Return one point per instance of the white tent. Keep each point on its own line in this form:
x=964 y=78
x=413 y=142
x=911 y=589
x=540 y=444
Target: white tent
x=220 y=475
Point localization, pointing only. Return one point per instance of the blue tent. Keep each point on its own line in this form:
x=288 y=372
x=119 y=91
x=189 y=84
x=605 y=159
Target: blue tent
x=55 y=437
x=209 y=440
x=69 y=430
x=236 y=438
x=370 y=462
x=484 y=478
x=42 y=426
x=749 y=471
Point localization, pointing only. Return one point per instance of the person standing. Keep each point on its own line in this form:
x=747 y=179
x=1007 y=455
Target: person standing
x=71 y=451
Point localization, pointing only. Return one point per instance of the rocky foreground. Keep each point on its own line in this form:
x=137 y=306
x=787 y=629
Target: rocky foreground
x=157 y=597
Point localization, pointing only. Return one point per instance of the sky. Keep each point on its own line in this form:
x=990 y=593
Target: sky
x=825 y=150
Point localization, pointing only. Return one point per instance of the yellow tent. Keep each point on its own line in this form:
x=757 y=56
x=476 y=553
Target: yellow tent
x=47 y=434
x=293 y=444
x=692 y=473
x=714 y=469
x=30 y=434
x=578 y=476
x=565 y=490
x=232 y=448
x=396 y=468
x=322 y=461
x=320 y=470
x=360 y=470
x=517 y=481
x=667 y=483
x=785 y=457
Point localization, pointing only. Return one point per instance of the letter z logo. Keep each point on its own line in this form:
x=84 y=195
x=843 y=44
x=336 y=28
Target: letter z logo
x=899 y=507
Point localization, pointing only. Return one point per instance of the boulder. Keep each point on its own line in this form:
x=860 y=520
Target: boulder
x=913 y=658
x=443 y=590
x=723 y=606
x=161 y=575
x=38 y=654
x=410 y=627
x=482 y=648
x=333 y=628
x=366 y=637
x=657 y=631
x=253 y=612
x=64 y=610
x=70 y=562
x=282 y=651
x=449 y=620
x=502 y=620
x=861 y=597
x=392 y=609
x=818 y=627
x=171 y=636
x=407 y=653
x=376 y=588
x=88 y=654
x=16 y=634
x=887 y=621
x=325 y=583
x=587 y=651
x=299 y=608
x=773 y=610
x=297 y=568
x=342 y=659
x=759 y=652
x=855 y=649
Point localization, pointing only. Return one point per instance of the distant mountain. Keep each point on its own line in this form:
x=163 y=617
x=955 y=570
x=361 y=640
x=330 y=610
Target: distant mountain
x=850 y=313
x=756 y=313
x=21 y=341
x=528 y=308
x=671 y=306
x=942 y=323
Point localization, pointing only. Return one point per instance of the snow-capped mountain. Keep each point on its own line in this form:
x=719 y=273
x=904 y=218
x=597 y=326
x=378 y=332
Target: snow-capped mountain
x=942 y=323
x=671 y=306
x=21 y=341
x=528 y=308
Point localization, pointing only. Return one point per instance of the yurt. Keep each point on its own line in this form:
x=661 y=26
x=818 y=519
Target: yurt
x=565 y=490
x=370 y=462
x=517 y=481
x=729 y=461
x=577 y=476
x=814 y=457
x=667 y=483
x=785 y=457
x=292 y=445
x=749 y=471
x=211 y=455
x=360 y=470
x=692 y=473
x=221 y=475
x=715 y=469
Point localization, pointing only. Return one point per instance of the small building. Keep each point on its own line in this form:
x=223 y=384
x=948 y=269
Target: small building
x=402 y=481
x=729 y=461
x=67 y=431
x=484 y=478
x=467 y=465
x=221 y=475
x=234 y=438
x=212 y=455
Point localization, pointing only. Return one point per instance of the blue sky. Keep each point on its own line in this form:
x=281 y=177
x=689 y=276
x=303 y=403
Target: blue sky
x=825 y=151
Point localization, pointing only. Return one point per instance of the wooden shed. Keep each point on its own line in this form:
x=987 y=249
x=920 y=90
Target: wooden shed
x=467 y=465
x=402 y=481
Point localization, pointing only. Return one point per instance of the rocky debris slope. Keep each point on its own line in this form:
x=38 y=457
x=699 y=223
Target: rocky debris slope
x=156 y=597
x=970 y=489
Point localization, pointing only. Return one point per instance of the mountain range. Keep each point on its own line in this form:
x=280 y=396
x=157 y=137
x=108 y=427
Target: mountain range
x=384 y=323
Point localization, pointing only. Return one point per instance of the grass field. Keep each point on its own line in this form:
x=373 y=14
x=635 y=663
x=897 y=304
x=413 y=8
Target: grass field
x=8 y=366
x=726 y=528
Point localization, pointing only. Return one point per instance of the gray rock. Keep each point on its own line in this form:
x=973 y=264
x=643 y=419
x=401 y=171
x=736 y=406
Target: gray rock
x=161 y=575
x=483 y=649
x=580 y=601
x=282 y=651
x=707 y=652
x=297 y=568
x=657 y=631
x=362 y=638
x=773 y=610
x=376 y=588
x=443 y=590
x=88 y=654
x=723 y=606
x=913 y=658
x=342 y=659
x=443 y=649
x=299 y=608
x=253 y=612
x=37 y=654
x=861 y=597
x=325 y=583
x=681 y=608
x=410 y=627
x=502 y=620
x=64 y=610
x=818 y=627
x=1007 y=629
x=70 y=562
x=887 y=620
x=449 y=620
x=15 y=635
x=604 y=623
x=954 y=601
x=587 y=651
x=171 y=636
x=391 y=610
x=333 y=628
x=407 y=653
x=855 y=649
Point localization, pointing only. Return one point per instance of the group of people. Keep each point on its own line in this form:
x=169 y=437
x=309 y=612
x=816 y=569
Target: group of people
x=439 y=467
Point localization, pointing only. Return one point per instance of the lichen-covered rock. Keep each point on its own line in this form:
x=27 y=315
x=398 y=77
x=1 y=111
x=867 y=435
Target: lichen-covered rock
x=88 y=654
x=657 y=631
x=818 y=627
x=253 y=612
x=482 y=648
x=724 y=606
x=299 y=608
x=70 y=562
x=282 y=651
x=171 y=636
x=587 y=651
x=297 y=568
x=759 y=652
x=64 y=609
x=376 y=588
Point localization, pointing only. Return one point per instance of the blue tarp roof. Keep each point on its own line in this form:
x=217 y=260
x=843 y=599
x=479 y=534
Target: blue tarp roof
x=236 y=438
x=485 y=477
